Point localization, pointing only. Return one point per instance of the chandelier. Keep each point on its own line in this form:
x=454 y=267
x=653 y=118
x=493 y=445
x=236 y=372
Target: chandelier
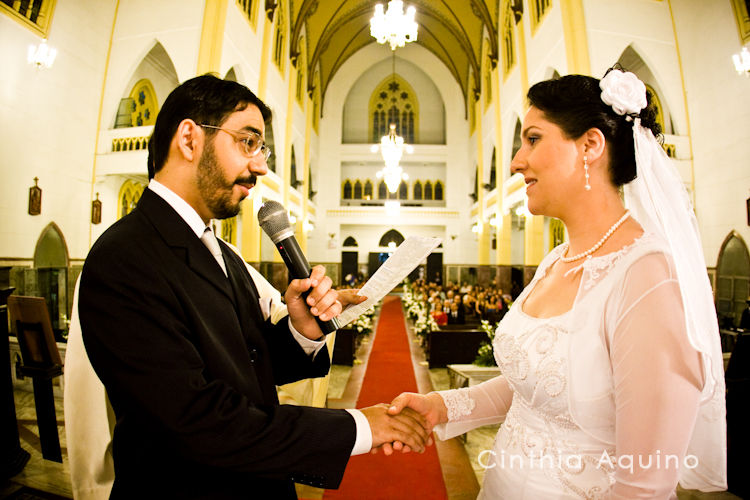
x=742 y=62
x=41 y=55
x=392 y=148
x=394 y=26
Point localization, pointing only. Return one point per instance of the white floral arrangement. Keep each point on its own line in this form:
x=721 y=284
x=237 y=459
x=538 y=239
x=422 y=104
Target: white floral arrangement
x=363 y=323
x=624 y=92
x=417 y=310
x=485 y=354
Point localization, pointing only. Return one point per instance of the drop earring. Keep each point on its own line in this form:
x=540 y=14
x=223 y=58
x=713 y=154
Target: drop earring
x=586 y=172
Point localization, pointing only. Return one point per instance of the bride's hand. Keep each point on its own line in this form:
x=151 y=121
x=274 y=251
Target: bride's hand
x=430 y=406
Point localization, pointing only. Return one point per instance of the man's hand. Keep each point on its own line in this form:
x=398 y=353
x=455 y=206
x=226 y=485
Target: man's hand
x=429 y=406
x=408 y=427
x=322 y=301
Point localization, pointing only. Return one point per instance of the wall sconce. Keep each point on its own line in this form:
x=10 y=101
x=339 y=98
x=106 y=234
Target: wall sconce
x=96 y=210
x=292 y=218
x=41 y=55
x=307 y=226
x=476 y=228
x=454 y=236
x=495 y=221
x=742 y=62
x=35 y=198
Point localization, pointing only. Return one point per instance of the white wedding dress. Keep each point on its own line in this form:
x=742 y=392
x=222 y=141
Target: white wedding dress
x=613 y=377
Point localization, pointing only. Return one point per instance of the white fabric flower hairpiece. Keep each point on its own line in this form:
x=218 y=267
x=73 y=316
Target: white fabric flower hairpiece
x=624 y=92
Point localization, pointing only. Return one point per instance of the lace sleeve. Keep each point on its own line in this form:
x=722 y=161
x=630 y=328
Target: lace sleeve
x=472 y=407
x=657 y=379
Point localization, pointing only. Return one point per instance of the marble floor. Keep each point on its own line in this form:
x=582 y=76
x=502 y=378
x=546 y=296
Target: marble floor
x=40 y=474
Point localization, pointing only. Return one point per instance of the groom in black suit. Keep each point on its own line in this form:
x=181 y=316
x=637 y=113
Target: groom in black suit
x=190 y=344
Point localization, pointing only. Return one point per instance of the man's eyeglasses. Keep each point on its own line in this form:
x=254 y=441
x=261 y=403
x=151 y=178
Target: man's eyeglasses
x=252 y=143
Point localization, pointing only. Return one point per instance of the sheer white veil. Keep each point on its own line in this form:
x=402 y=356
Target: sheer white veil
x=658 y=200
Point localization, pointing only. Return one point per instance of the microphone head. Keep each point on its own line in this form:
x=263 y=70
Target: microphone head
x=274 y=221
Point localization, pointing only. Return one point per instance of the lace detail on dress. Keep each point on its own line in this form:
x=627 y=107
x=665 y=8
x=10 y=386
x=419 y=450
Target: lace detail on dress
x=458 y=403
x=598 y=266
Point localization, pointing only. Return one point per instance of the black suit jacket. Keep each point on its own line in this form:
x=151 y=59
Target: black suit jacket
x=190 y=367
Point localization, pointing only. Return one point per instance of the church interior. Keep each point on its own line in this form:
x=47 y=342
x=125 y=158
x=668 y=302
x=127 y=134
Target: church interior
x=372 y=143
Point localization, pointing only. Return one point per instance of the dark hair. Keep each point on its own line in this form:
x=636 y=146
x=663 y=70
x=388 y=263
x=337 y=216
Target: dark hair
x=206 y=100
x=574 y=104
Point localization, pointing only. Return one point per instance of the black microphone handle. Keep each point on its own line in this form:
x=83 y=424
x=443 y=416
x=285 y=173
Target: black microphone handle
x=299 y=268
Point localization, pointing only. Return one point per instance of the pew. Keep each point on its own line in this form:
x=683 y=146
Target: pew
x=345 y=346
x=454 y=345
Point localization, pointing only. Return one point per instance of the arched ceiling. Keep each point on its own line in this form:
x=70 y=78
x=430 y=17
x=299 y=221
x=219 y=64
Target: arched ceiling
x=334 y=30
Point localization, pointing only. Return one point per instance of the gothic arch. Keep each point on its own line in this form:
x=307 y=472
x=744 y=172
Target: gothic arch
x=732 y=278
x=391 y=236
x=394 y=101
x=632 y=60
x=51 y=249
x=157 y=67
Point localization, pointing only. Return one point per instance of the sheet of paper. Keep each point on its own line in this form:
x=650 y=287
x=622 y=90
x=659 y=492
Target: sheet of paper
x=407 y=256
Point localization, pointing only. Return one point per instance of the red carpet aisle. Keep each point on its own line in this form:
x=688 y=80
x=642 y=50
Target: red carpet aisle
x=390 y=372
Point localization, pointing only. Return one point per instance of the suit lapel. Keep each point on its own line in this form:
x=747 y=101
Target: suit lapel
x=183 y=241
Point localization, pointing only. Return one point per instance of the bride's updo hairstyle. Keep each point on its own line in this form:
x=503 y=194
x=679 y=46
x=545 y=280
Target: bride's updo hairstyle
x=574 y=104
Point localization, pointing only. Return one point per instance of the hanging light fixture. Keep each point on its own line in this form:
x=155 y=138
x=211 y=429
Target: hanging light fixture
x=41 y=55
x=742 y=62
x=394 y=26
x=392 y=148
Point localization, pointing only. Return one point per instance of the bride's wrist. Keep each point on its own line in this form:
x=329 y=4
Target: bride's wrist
x=437 y=402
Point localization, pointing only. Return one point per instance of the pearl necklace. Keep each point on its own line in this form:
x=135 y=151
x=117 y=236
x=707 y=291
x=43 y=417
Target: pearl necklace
x=596 y=247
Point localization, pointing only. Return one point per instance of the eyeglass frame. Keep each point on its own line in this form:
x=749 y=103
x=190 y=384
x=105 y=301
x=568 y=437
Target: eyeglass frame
x=264 y=149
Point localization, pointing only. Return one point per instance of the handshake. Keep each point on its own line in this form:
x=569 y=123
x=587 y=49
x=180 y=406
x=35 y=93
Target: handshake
x=406 y=424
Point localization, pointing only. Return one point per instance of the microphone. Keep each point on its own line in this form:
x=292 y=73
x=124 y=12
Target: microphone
x=274 y=221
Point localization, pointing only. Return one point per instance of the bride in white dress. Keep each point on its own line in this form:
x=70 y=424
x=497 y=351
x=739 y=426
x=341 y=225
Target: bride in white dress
x=612 y=377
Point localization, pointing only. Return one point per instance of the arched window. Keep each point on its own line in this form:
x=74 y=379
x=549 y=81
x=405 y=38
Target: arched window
x=417 y=190
x=382 y=191
x=391 y=236
x=657 y=107
x=279 y=36
x=358 y=190
x=470 y=100
x=403 y=191
x=144 y=106
x=350 y=242
x=293 y=181
x=516 y=144
x=428 y=190
x=487 y=74
x=509 y=43
x=394 y=101
x=316 y=101
x=130 y=193
x=438 y=191
x=347 y=190
x=301 y=70
x=538 y=9
x=310 y=191
x=493 y=171
x=269 y=140
x=732 y=280
x=368 y=189
x=556 y=233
